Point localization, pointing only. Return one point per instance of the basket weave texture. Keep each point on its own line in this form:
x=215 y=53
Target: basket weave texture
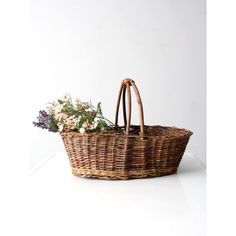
x=131 y=151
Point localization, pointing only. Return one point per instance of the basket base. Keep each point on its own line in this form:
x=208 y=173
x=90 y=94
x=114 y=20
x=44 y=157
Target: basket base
x=112 y=175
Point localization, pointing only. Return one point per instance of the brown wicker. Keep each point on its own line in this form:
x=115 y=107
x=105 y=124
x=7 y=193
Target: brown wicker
x=131 y=151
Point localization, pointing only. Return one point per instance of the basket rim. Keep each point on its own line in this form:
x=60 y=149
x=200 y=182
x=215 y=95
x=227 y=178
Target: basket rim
x=187 y=133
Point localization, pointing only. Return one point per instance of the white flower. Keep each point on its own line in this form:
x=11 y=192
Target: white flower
x=70 y=122
x=95 y=124
x=58 y=116
x=87 y=108
x=58 y=108
x=88 y=126
x=75 y=120
x=82 y=130
x=60 y=126
x=78 y=103
x=64 y=116
x=78 y=119
x=85 y=125
x=50 y=108
x=66 y=97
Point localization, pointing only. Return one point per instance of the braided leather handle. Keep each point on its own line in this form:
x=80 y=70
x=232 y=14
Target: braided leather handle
x=125 y=85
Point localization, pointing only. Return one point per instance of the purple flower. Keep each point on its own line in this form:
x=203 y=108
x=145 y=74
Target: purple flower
x=44 y=120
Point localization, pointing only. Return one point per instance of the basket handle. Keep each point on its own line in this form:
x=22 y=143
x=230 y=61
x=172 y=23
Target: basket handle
x=125 y=85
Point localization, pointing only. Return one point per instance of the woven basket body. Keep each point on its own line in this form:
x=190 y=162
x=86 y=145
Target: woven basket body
x=130 y=152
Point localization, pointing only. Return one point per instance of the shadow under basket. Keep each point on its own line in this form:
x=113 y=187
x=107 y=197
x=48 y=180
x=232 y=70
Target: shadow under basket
x=130 y=151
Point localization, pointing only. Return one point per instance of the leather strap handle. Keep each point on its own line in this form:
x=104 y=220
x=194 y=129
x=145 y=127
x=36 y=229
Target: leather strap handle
x=125 y=86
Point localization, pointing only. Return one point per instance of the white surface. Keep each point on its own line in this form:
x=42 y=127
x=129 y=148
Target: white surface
x=86 y=48
x=63 y=204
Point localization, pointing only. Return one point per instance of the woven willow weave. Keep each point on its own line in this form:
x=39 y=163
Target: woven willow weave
x=131 y=151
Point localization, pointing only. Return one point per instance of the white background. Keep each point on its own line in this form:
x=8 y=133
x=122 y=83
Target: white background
x=15 y=115
x=87 y=47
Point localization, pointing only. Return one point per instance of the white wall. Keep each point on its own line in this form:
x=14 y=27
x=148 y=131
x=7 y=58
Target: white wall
x=86 y=47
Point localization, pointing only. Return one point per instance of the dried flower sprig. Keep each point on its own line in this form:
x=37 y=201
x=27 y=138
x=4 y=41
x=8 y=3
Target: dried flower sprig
x=63 y=115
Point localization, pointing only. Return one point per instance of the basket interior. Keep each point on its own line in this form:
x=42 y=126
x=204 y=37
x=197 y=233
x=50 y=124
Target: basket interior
x=162 y=132
x=158 y=131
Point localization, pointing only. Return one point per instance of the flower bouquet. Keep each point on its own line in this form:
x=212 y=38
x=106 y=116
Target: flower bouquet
x=64 y=115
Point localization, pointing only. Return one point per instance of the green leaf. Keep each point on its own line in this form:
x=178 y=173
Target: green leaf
x=53 y=126
x=99 y=109
x=60 y=101
x=102 y=123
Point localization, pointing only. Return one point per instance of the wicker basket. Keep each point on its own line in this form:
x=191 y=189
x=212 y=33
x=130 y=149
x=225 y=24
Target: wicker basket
x=130 y=152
